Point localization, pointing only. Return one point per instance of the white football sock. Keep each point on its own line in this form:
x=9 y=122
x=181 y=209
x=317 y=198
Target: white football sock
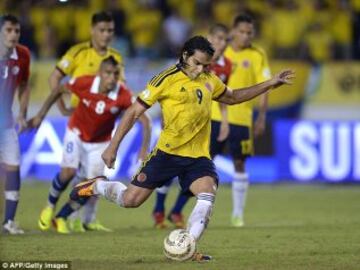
x=89 y=210
x=200 y=215
x=240 y=186
x=111 y=190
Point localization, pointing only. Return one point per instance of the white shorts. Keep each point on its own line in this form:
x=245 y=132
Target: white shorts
x=9 y=147
x=86 y=156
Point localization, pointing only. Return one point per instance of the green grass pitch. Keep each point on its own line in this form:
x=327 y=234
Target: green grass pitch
x=287 y=227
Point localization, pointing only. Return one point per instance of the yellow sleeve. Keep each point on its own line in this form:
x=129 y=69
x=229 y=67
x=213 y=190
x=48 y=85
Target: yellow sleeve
x=218 y=87
x=67 y=63
x=262 y=69
x=152 y=93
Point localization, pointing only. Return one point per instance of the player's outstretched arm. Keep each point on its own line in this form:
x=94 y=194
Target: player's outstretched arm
x=50 y=100
x=131 y=115
x=145 y=120
x=244 y=94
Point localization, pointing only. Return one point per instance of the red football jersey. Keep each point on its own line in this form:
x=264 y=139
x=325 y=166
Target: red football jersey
x=94 y=118
x=13 y=71
x=222 y=68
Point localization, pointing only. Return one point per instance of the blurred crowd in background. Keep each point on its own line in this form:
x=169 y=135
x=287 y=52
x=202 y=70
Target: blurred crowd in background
x=313 y=30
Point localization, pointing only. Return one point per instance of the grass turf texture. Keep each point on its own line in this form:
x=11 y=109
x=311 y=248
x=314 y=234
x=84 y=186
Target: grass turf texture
x=287 y=227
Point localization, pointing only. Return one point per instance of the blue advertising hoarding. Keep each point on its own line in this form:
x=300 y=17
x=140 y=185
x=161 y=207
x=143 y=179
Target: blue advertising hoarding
x=305 y=151
x=41 y=153
x=318 y=150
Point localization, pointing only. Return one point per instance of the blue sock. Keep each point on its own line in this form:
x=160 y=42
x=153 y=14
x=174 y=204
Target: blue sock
x=180 y=203
x=57 y=187
x=70 y=207
x=161 y=196
x=160 y=202
x=12 y=188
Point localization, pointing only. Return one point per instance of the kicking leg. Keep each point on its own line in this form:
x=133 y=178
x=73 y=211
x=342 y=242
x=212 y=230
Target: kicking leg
x=130 y=196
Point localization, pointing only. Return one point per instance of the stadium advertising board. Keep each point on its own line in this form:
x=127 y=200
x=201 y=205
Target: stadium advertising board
x=326 y=150
x=305 y=151
x=42 y=153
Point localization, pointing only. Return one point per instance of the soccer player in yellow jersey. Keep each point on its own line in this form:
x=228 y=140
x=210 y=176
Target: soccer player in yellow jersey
x=249 y=67
x=221 y=67
x=81 y=59
x=185 y=92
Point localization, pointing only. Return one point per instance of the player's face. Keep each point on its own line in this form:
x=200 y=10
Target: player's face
x=102 y=33
x=243 y=34
x=10 y=34
x=197 y=63
x=219 y=42
x=109 y=76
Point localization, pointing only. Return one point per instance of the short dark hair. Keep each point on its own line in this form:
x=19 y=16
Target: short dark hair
x=218 y=27
x=8 y=18
x=243 y=18
x=109 y=61
x=102 y=16
x=196 y=43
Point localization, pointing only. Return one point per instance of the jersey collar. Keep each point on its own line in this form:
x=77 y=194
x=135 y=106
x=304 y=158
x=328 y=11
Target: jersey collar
x=14 y=54
x=113 y=94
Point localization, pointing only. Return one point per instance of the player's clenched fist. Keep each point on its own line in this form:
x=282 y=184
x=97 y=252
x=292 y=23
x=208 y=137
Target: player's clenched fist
x=109 y=157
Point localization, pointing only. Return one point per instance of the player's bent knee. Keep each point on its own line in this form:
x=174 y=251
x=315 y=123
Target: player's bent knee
x=135 y=196
x=131 y=200
x=205 y=184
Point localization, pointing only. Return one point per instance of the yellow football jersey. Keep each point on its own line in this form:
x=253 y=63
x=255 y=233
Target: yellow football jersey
x=186 y=110
x=82 y=59
x=249 y=66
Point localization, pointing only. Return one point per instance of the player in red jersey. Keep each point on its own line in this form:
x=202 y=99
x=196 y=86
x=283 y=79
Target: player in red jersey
x=102 y=99
x=221 y=66
x=14 y=76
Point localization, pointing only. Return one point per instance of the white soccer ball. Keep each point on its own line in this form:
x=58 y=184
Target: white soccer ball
x=179 y=245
